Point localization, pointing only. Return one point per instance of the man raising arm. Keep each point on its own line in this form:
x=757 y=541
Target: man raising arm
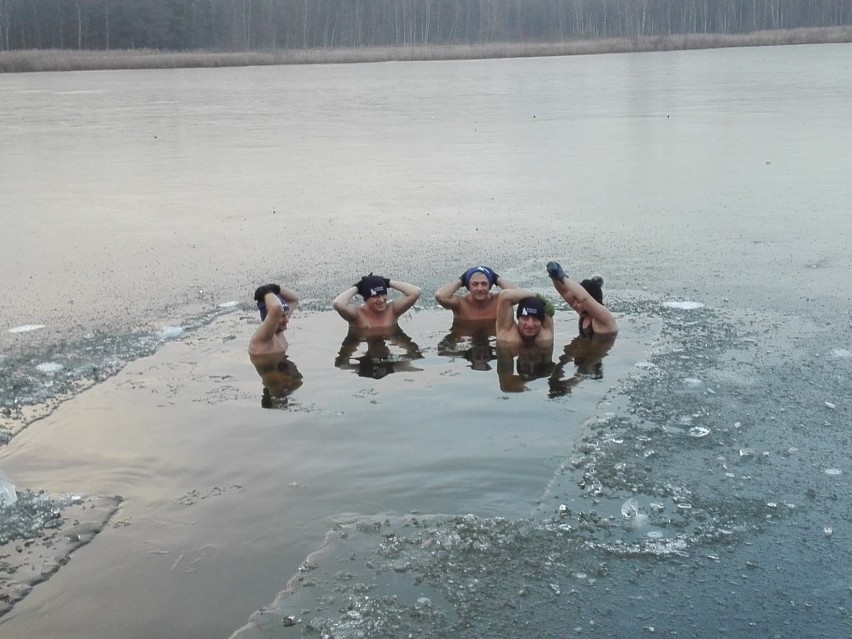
x=377 y=311
x=533 y=326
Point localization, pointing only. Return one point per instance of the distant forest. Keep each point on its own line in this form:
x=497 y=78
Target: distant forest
x=259 y=25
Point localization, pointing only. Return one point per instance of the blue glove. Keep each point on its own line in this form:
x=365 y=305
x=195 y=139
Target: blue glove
x=554 y=270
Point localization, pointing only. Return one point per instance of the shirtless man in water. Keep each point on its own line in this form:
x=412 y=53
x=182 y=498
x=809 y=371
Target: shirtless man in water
x=479 y=303
x=275 y=305
x=268 y=346
x=534 y=325
x=526 y=335
x=377 y=312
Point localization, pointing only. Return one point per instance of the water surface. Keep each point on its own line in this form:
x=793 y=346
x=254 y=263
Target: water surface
x=139 y=206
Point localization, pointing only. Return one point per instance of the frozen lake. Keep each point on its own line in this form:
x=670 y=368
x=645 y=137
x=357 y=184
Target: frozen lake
x=137 y=206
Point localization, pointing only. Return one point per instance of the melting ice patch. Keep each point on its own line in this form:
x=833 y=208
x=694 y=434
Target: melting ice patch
x=26 y=328
x=49 y=367
x=684 y=306
x=229 y=304
x=168 y=332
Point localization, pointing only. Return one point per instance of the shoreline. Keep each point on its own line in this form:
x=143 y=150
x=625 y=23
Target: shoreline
x=37 y=60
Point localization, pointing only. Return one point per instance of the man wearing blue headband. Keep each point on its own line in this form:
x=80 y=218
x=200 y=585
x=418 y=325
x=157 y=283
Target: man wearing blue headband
x=479 y=303
x=275 y=305
x=268 y=346
x=377 y=311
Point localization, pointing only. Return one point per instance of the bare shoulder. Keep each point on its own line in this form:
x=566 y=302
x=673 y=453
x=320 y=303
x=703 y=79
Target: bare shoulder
x=263 y=348
x=509 y=336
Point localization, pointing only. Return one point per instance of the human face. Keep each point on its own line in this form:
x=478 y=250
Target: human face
x=479 y=287
x=282 y=323
x=529 y=327
x=377 y=303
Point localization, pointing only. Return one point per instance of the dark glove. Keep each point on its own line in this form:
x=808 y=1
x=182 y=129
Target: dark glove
x=387 y=282
x=548 y=305
x=261 y=291
x=489 y=273
x=554 y=270
x=361 y=281
x=492 y=274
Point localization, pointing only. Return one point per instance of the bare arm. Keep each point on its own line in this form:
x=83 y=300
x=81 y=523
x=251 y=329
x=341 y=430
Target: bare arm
x=570 y=291
x=506 y=301
x=446 y=297
x=268 y=327
x=505 y=284
x=602 y=319
x=410 y=294
x=290 y=296
x=341 y=304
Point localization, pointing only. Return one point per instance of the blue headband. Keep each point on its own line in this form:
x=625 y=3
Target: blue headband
x=473 y=270
x=261 y=306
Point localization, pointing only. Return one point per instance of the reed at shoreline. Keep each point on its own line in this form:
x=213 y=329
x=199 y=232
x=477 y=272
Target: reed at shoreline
x=33 y=60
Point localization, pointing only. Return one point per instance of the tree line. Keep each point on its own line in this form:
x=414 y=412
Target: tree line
x=257 y=25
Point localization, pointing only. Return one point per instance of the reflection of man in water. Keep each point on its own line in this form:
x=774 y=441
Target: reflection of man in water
x=587 y=354
x=377 y=311
x=378 y=361
x=280 y=379
x=479 y=303
x=529 y=339
x=471 y=341
x=268 y=346
x=534 y=361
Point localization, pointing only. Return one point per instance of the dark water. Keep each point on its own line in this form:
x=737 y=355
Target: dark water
x=448 y=506
x=224 y=499
x=735 y=526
